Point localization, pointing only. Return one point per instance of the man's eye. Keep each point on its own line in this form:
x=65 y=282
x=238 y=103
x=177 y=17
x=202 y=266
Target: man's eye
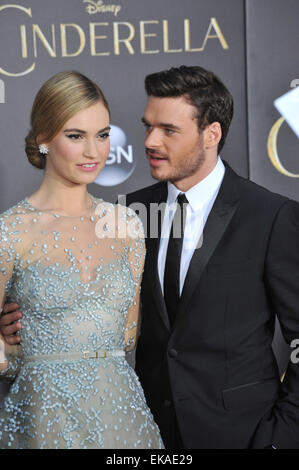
x=169 y=131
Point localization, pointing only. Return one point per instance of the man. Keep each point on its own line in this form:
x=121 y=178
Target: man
x=204 y=355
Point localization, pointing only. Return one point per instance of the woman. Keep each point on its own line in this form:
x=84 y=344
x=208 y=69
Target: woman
x=73 y=263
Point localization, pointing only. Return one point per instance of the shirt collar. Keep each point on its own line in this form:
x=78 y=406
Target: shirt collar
x=202 y=192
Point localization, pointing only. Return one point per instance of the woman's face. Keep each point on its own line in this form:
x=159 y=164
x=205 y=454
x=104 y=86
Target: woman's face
x=79 y=151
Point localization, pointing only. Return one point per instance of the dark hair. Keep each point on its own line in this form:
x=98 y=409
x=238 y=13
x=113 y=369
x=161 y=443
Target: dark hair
x=201 y=88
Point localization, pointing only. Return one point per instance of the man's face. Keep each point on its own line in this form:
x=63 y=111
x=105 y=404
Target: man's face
x=173 y=143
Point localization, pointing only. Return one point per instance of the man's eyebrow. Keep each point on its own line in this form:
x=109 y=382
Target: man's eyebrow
x=167 y=125
x=84 y=132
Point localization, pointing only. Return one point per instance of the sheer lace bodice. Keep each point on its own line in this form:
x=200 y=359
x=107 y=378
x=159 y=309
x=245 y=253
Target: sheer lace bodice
x=77 y=282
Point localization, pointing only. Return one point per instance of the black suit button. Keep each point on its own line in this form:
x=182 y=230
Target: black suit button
x=167 y=403
x=173 y=353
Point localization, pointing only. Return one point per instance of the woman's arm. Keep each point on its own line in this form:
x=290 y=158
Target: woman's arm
x=136 y=255
x=9 y=360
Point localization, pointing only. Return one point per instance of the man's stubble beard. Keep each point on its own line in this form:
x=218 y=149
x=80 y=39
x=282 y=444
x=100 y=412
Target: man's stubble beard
x=183 y=172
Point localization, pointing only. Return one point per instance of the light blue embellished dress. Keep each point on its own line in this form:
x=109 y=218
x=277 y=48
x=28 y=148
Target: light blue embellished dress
x=77 y=282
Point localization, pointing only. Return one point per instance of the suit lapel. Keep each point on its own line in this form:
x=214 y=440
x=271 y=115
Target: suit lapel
x=153 y=243
x=219 y=218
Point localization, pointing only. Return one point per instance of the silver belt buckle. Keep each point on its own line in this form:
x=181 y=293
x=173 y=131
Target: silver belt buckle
x=85 y=354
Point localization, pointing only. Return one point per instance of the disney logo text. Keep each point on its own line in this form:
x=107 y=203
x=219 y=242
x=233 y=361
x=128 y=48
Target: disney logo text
x=100 y=7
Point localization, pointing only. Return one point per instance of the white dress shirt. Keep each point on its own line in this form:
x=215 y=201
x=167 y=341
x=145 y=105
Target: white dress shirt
x=201 y=198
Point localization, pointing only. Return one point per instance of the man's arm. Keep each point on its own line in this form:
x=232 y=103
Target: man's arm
x=9 y=324
x=282 y=281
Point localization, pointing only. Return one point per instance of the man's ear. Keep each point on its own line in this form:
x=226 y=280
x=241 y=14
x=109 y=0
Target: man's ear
x=212 y=135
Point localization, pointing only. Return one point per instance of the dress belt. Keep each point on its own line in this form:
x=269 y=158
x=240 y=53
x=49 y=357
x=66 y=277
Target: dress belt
x=102 y=353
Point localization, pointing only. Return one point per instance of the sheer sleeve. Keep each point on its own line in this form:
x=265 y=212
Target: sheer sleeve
x=10 y=357
x=136 y=255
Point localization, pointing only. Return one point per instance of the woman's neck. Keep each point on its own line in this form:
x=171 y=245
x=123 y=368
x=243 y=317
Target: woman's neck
x=66 y=199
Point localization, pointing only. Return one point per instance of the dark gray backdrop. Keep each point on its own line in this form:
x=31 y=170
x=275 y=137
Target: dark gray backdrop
x=121 y=76
x=250 y=44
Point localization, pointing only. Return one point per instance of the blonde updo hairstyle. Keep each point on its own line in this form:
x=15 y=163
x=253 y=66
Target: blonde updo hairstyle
x=57 y=101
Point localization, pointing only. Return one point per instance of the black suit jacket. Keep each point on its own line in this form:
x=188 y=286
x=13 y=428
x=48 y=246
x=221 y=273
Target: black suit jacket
x=215 y=370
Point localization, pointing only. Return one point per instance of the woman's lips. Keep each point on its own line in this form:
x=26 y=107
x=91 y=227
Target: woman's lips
x=88 y=166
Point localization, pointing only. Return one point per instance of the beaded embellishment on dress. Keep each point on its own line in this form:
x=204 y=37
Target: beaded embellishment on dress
x=76 y=280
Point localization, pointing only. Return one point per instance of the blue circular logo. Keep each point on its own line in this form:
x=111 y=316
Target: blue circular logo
x=120 y=162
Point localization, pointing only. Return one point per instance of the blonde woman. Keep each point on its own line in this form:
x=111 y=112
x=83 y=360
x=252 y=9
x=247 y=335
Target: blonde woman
x=73 y=263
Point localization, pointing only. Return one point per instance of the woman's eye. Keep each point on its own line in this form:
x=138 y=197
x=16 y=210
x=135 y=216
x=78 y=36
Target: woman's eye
x=74 y=136
x=105 y=135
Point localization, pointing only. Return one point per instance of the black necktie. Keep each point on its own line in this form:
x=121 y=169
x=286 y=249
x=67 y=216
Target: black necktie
x=173 y=258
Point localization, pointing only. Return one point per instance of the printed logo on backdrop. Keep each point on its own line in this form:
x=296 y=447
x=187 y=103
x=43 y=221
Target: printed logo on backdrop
x=101 y=7
x=120 y=163
x=100 y=38
x=272 y=142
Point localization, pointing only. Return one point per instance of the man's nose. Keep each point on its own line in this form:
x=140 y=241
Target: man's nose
x=153 y=138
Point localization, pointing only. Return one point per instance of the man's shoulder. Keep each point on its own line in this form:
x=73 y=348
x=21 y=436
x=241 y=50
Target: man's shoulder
x=147 y=194
x=260 y=195
x=254 y=194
